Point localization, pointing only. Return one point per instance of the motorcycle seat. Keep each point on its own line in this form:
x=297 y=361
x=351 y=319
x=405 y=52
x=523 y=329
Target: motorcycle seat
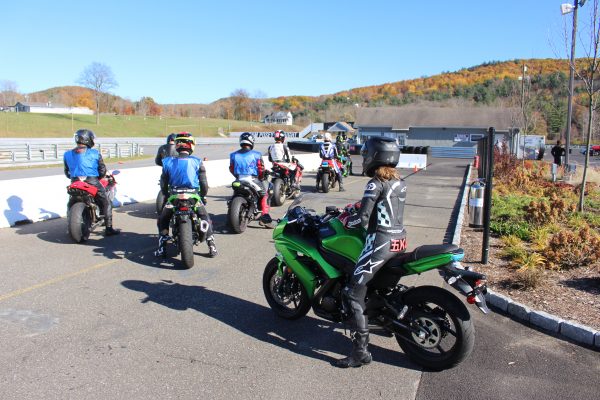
x=420 y=252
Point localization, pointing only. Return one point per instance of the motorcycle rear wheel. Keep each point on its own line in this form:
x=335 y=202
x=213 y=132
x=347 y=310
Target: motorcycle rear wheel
x=449 y=332
x=285 y=293
x=238 y=214
x=278 y=192
x=186 y=244
x=79 y=222
x=325 y=183
x=160 y=201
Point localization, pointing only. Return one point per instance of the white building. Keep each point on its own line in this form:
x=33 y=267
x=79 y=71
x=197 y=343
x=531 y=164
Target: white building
x=279 y=118
x=50 y=108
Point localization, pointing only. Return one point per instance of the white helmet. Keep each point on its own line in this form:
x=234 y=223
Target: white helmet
x=327 y=137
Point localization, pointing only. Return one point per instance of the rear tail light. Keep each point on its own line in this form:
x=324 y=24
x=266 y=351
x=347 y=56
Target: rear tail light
x=183 y=208
x=471 y=299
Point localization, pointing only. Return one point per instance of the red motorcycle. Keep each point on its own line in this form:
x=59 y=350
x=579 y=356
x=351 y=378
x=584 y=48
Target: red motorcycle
x=84 y=214
x=283 y=185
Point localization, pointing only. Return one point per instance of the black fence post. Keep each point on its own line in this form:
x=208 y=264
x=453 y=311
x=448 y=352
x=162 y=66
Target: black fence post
x=487 y=203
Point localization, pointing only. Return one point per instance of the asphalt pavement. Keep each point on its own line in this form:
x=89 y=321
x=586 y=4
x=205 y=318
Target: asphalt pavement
x=106 y=319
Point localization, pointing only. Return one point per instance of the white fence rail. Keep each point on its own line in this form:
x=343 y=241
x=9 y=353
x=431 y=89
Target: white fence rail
x=20 y=153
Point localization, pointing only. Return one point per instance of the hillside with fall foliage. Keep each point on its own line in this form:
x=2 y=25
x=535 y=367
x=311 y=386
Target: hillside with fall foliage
x=496 y=83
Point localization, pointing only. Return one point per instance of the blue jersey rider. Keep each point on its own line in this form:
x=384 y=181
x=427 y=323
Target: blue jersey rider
x=84 y=161
x=247 y=165
x=183 y=171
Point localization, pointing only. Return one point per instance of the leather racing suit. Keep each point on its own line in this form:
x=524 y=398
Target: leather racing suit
x=382 y=214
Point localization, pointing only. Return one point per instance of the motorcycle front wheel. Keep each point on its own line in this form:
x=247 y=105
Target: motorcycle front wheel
x=79 y=222
x=284 y=292
x=443 y=334
x=278 y=192
x=238 y=214
x=186 y=243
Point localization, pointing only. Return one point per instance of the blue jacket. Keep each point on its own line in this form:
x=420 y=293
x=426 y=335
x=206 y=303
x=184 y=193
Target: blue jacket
x=184 y=172
x=83 y=161
x=246 y=162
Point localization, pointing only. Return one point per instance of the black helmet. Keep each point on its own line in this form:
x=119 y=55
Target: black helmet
x=378 y=152
x=247 y=139
x=171 y=137
x=85 y=136
x=184 y=141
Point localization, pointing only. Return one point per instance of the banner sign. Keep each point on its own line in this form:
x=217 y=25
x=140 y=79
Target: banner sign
x=265 y=134
x=461 y=137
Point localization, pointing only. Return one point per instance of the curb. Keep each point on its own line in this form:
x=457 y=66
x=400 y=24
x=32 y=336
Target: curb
x=544 y=322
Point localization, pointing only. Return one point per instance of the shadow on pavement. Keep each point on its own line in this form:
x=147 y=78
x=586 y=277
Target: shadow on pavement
x=308 y=336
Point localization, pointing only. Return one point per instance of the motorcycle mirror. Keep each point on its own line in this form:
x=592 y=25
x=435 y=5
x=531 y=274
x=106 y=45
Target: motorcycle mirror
x=331 y=210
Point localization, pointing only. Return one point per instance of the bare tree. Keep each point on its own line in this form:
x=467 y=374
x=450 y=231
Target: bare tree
x=587 y=69
x=8 y=93
x=100 y=78
x=241 y=102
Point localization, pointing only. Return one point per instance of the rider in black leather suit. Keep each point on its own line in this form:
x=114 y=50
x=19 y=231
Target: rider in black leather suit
x=382 y=214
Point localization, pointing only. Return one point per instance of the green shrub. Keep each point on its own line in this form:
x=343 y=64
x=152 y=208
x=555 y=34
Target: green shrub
x=513 y=247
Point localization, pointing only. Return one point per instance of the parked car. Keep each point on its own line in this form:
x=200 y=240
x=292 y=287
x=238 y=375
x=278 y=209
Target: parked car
x=594 y=150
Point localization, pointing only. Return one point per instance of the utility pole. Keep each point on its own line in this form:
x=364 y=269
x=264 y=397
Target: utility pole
x=524 y=69
x=571 y=78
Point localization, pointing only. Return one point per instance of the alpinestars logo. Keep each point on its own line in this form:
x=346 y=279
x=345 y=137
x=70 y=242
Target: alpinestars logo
x=371 y=186
x=367 y=267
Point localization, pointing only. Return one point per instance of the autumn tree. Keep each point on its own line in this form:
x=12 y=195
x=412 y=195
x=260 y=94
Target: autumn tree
x=100 y=79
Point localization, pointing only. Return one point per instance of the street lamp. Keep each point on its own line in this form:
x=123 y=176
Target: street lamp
x=566 y=9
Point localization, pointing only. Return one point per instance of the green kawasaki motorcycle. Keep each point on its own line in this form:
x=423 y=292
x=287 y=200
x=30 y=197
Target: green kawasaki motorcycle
x=316 y=253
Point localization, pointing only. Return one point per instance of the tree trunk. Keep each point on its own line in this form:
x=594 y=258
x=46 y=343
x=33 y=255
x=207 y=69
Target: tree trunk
x=97 y=108
x=587 y=153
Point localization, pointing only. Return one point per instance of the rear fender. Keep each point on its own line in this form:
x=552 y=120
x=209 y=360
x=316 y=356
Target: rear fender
x=463 y=312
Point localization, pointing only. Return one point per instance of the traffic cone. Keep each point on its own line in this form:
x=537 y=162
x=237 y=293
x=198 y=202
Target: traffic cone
x=415 y=169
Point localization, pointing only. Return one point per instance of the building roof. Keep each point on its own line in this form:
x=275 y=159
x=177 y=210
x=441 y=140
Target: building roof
x=278 y=115
x=340 y=126
x=427 y=116
x=48 y=104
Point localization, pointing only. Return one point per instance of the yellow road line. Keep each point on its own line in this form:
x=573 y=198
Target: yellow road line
x=61 y=278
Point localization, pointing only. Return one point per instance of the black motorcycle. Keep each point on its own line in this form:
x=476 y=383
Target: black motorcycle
x=243 y=205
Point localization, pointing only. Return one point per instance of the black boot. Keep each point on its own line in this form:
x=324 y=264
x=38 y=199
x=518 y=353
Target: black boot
x=360 y=355
x=162 y=241
x=212 y=247
x=110 y=231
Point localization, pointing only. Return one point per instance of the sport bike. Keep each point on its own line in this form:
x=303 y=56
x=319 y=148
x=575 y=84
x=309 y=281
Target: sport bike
x=84 y=214
x=315 y=256
x=242 y=208
x=187 y=228
x=326 y=174
x=346 y=162
x=281 y=179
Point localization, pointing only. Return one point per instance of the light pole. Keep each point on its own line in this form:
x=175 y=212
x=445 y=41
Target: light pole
x=566 y=9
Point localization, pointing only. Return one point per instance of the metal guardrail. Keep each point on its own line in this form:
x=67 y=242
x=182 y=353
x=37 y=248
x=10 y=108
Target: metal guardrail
x=20 y=153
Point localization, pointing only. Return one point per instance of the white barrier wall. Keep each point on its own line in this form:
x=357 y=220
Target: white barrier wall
x=412 y=161
x=42 y=198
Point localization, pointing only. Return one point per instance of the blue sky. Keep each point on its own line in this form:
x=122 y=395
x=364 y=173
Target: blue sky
x=200 y=51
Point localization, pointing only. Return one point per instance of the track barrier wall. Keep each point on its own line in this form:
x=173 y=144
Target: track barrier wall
x=43 y=198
